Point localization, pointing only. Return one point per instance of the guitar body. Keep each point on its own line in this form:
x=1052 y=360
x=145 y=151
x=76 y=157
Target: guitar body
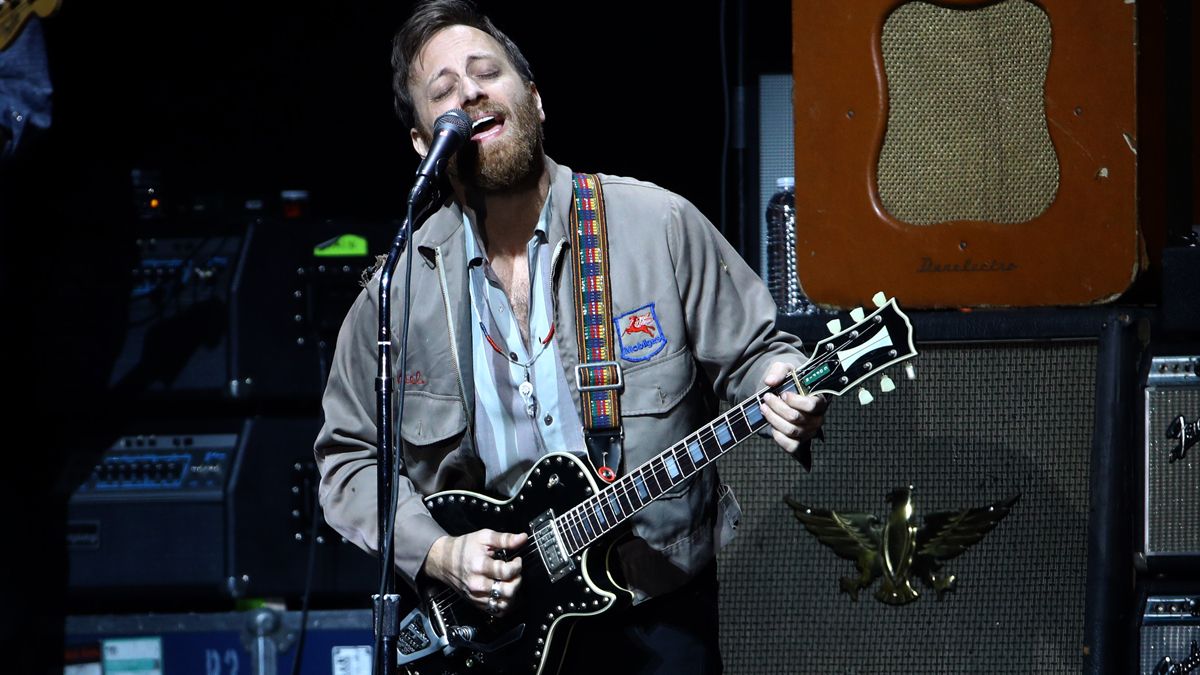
x=535 y=632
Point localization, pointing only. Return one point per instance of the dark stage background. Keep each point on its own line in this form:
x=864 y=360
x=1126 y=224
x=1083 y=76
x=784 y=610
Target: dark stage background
x=242 y=100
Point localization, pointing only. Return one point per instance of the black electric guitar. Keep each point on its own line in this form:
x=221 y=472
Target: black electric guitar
x=570 y=518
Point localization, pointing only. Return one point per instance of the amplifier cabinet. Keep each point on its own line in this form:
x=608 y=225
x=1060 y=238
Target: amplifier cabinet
x=982 y=423
x=963 y=153
x=151 y=514
x=1171 y=504
x=1170 y=639
x=168 y=516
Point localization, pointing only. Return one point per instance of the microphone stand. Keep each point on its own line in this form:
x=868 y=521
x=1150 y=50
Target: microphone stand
x=387 y=602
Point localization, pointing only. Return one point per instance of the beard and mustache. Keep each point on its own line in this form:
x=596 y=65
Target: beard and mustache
x=507 y=162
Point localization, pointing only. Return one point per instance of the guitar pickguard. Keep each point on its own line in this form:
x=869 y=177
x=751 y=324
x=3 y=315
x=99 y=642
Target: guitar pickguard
x=535 y=632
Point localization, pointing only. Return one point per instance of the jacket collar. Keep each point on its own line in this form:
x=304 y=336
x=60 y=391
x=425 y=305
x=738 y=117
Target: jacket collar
x=563 y=196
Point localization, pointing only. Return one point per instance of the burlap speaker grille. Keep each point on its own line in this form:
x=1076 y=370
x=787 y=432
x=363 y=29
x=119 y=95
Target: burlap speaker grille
x=981 y=423
x=966 y=133
x=1172 y=492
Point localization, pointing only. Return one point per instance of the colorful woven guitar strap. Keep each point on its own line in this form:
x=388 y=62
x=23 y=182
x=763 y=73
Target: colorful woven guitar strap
x=598 y=375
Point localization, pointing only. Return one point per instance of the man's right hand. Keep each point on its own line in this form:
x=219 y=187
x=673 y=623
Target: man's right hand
x=474 y=566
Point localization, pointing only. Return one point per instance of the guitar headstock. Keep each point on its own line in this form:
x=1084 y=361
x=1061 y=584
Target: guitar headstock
x=852 y=355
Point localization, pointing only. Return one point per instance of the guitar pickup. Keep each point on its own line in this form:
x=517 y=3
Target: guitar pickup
x=555 y=556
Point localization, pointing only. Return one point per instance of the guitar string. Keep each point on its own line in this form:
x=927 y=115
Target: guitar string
x=577 y=518
x=576 y=515
x=452 y=599
x=526 y=552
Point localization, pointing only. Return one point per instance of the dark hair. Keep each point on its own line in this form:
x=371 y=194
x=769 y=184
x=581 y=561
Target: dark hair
x=427 y=19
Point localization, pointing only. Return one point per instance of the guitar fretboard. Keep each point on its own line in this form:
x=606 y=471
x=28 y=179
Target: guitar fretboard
x=597 y=515
x=838 y=363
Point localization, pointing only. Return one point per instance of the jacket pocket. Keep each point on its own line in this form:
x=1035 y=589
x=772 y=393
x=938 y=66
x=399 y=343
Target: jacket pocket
x=431 y=418
x=658 y=386
x=655 y=405
x=437 y=453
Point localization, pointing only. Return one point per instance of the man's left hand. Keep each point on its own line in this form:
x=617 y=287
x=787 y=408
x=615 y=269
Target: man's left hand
x=794 y=419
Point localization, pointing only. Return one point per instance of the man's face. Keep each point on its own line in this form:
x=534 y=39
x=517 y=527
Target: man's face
x=462 y=67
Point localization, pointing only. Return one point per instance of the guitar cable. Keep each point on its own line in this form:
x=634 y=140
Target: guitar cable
x=316 y=516
x=308 y=582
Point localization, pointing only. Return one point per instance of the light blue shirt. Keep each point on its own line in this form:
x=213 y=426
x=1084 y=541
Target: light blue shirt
x=513 y=431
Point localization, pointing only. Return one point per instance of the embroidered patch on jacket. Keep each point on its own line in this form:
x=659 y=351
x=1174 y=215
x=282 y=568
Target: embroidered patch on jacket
x=640 y=334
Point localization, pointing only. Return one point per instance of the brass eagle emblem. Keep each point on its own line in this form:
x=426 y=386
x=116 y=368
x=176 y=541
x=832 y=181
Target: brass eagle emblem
x=896 y=549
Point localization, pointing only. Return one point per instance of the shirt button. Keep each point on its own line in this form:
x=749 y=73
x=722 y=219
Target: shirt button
x=548 y=420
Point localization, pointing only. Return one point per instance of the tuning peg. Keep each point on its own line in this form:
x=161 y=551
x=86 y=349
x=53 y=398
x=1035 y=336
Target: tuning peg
x=886 y=384
x=834 y=326
x=857 y=314
x=879 y=299
x=864 y=396
x=909 y=371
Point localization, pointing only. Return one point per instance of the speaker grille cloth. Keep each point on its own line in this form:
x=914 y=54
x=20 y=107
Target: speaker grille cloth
x=1174 y=500
x=966 y=135
x=981 y=423
x=1162 y=641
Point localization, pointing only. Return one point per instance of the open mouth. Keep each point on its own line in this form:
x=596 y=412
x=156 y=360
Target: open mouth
x=486 y=127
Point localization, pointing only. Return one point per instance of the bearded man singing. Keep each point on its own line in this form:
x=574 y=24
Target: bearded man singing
x=493 y=332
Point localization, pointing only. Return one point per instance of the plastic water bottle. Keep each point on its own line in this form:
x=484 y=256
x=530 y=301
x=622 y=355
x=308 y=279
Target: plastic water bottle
x=781 y=250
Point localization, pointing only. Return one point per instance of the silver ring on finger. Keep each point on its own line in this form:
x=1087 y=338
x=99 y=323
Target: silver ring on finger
x=495 y=589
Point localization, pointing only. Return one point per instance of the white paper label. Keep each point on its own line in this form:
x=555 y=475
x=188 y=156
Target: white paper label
x=352 y=660
x=133 y=656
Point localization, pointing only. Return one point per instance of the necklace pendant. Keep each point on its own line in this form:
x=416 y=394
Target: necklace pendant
x=525 y=389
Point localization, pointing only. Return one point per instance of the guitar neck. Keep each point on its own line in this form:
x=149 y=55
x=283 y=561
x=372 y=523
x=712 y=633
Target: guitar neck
x=839 y=362
x=600 y=514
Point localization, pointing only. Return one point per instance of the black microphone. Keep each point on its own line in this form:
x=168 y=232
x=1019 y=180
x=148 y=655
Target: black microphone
x=450 y=131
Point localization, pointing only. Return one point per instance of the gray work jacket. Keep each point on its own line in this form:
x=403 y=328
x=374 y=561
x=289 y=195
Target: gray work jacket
x=716 y=316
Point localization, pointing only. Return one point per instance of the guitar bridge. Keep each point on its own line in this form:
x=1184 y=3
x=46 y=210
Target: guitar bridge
x=555 y=557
